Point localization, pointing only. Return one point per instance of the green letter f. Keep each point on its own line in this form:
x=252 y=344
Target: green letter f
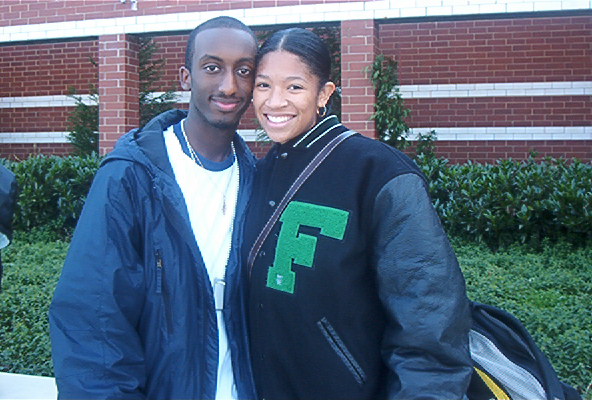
x=300 y=248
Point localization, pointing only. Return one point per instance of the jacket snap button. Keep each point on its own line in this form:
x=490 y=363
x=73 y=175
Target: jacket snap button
x=272 y=203
x=284 y=155
x=261 y=253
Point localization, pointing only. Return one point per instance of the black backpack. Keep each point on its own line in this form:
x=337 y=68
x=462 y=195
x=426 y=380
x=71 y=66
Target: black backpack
x=507 y=362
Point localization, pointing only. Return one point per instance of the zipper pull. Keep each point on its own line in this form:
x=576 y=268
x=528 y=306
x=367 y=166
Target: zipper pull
x=219 y=285
x=159 y=266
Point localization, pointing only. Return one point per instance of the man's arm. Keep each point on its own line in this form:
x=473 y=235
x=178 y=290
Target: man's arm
x=423 y=292
x=96 y=349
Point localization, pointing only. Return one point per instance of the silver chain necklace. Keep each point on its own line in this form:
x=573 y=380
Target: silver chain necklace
x=197 y=160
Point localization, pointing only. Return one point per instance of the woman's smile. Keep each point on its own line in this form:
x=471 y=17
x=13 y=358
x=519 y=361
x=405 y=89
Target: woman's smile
x=278 y=119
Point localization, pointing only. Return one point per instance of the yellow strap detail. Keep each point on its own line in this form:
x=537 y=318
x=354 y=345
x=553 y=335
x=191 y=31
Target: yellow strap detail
x=497 y=391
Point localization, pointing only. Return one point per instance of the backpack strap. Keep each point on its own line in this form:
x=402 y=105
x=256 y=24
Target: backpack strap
x=310 y=168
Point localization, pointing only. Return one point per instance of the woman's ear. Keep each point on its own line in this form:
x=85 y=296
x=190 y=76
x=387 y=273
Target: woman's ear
x=325 y=93
x=185 y=78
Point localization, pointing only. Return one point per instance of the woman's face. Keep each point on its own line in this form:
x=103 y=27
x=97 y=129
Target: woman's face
x=287 y=96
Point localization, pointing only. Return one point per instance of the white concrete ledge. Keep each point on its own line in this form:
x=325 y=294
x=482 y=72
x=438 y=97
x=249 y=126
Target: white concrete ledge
x=507 y=133
x=17 y=386
x=331 y=12
x=452 y=90
x=250 y=135
x=465 y=90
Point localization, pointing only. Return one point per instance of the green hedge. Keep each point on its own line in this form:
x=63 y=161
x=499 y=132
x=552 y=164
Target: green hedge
x=52 y=191
x=31 y=273
x=513 y=201
x=497 y=204
x=550 y=291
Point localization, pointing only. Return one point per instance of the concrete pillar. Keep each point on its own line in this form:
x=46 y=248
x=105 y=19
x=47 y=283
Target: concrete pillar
x=359 y=47
x=119 y=93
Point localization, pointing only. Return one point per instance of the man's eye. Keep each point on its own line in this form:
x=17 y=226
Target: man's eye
x=295 y=87
x=211 y=68
x=244 y=71
x=262 y=85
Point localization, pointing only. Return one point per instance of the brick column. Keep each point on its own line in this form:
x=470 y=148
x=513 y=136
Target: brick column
x=359 y=47
x=119 y=93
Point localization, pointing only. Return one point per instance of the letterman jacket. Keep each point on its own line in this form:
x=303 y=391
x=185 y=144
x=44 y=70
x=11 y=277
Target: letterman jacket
x=356 y=292
x=133 y=314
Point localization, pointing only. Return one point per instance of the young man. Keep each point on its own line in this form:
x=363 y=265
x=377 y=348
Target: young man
x=150 y=303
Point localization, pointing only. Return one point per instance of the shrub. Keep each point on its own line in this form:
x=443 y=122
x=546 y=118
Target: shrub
x=497 y=204
x=549 y=291
x=52 y=191
x=31 y=273
x=513 y=201
x=151 y=70
x=389 y=111
x=83 y=123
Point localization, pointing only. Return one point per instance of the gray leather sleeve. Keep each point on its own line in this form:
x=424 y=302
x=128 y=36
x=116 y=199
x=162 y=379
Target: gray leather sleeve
x=423 y=292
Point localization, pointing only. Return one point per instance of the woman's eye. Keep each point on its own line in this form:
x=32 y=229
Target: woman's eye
x=261 y=84
x=295 y=87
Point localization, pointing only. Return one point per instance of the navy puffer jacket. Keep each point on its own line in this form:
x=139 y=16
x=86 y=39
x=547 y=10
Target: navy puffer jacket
x=133 y=313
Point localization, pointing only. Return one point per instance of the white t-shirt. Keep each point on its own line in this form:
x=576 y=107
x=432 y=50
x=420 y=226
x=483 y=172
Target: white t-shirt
x=210 y=197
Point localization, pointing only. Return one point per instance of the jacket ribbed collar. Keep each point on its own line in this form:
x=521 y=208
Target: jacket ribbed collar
x=326 y=128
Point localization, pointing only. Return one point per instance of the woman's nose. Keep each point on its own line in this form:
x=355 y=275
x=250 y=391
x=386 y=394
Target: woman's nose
x=276 y=98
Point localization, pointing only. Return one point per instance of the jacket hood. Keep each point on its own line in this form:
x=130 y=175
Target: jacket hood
x=146 y=144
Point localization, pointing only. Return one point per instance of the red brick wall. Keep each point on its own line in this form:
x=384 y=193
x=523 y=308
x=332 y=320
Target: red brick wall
x=521 y=111
x=21 y=151
x=488 y=151
x=478 y=51
x=119 y=85
x=496 y=51
x=491 y=51
x=23 y=12
x=455 y=151
x=43 y=69
x=359 y=45
x=38 y=119
x=260 y=149
x=172 y=50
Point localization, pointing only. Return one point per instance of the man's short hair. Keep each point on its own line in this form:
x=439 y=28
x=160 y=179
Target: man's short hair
x=218 y=22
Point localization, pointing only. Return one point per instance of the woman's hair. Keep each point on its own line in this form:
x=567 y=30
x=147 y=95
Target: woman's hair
x=310 y=48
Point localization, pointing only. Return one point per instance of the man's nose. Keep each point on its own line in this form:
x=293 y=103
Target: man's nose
x=228 y=85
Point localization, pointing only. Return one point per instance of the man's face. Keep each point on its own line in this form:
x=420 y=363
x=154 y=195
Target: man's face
x=221 y=77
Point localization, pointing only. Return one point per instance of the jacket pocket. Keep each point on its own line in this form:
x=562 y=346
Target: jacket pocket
x=161 y=290
x=341 y=350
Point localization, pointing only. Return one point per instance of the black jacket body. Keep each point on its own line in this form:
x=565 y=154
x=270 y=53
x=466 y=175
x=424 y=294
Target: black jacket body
x=356 y=293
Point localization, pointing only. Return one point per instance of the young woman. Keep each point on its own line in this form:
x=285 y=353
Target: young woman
x=356 y=292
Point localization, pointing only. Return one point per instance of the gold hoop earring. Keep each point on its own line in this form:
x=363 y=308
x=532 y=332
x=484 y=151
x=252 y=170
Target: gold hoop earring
x=322 y=111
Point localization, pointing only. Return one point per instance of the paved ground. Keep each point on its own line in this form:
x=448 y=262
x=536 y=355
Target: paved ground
x=17 y=386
